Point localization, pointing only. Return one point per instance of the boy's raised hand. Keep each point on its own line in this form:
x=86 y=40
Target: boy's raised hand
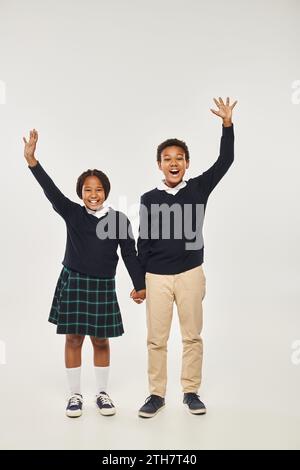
x=224 y=110
x=138 y=296
x=29 y=148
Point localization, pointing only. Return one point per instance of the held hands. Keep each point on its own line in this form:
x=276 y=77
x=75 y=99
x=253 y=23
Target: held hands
x=224 y=111
x=138 y=296
x=30 y=147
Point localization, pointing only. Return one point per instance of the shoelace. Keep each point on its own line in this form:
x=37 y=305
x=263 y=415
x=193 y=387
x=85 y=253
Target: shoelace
x=151 y=398
x=191 y=397
x=75 y=400
x=105 y=400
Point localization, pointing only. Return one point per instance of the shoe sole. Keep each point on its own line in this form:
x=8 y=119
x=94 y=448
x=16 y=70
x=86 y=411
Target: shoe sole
x=107 y=412
x=195 y=412
x=142 y=414
x=73 y=414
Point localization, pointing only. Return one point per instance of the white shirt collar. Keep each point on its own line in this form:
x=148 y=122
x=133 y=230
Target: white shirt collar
x=163 y=187
x=99 y=212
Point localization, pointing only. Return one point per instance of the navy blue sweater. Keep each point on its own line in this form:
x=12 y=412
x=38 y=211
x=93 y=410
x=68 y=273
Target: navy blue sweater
x=85 y=251
x=161 y=255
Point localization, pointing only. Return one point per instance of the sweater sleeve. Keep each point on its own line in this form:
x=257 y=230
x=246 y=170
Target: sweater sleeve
x=129 y=253
x=211 y=177
x=144 y=239
x=60 y=203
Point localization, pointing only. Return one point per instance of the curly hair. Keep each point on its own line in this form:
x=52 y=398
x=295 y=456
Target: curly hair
x=170 y=143
x=102 y=177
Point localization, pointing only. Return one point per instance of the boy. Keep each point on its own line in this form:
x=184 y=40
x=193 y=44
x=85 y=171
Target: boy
x=170 y=248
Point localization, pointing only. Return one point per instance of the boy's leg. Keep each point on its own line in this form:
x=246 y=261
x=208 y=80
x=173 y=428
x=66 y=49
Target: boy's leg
x=189 y=293
x=159 y=307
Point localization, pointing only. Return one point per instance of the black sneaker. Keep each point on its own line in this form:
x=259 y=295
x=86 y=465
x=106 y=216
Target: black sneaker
x=194 y=404
x=74 y=407
x=152 y=406
x=105 y=404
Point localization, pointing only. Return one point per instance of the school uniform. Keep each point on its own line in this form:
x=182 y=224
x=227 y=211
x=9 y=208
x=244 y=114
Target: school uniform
x=174 y=273
x=85 y=300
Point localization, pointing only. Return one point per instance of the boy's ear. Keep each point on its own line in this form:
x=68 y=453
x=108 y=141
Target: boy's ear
x=159 y=164
x=187 y=164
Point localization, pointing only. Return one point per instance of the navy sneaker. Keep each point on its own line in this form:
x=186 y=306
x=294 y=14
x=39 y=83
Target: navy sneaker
x=74 y=407
x=105 y=404
x=194 y=404
x=152 y=406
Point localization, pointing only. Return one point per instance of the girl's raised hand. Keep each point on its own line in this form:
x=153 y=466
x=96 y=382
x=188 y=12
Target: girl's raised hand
x=29 y=148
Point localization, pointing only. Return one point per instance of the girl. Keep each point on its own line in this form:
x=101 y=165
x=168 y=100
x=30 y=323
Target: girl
x=85 y=301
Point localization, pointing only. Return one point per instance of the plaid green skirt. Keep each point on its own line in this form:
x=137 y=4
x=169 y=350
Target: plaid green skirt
x=86 y=305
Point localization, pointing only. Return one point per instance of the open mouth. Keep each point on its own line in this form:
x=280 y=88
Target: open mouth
x=174 y=172
x=93 y=202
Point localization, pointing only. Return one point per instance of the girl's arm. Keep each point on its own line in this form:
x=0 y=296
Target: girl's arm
x=128 y=252
x=144 y=238
x=60 y=203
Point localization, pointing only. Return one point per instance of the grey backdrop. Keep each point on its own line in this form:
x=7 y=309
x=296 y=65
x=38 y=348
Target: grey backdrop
x=104 y=82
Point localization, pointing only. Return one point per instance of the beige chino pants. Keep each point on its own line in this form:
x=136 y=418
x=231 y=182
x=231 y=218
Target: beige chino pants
x=187 y=290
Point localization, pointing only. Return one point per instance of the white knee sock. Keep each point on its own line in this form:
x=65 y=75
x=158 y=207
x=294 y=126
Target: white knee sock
x=101 y=378
x=73 y=375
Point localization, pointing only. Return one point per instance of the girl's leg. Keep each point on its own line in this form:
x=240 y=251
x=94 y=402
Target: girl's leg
x=73 y=348
x=101 y=362
x=101 y=351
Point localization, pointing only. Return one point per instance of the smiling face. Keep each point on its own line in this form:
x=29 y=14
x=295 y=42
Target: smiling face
x=93 y=194
x=173 y=164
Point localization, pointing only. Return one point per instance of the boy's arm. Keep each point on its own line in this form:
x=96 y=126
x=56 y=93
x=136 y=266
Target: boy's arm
x=210 y=178
x=59 y=202
x=129 y=255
